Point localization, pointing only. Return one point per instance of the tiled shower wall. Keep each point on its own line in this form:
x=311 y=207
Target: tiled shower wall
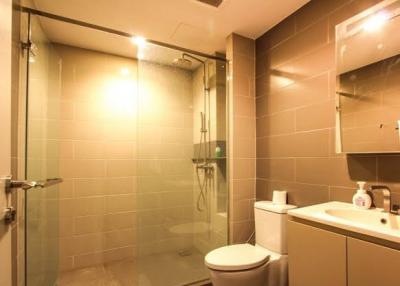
x=97 y=151
x=242 y=132
x=295 y=92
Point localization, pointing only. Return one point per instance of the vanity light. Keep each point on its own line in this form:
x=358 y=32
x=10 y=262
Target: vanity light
x=375 y=22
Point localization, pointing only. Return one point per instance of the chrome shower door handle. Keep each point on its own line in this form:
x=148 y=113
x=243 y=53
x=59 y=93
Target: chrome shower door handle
x=26 y=185
x=9 y=213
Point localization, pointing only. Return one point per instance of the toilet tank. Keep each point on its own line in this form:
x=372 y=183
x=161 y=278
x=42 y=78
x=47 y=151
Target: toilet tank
x=271 y=220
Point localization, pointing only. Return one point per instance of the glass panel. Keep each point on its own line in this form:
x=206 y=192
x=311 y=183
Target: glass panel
x=182 y=190
x=42 y=158
x=144 y=192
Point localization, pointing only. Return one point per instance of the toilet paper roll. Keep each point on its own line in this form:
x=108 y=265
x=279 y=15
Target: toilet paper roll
x=279 y=197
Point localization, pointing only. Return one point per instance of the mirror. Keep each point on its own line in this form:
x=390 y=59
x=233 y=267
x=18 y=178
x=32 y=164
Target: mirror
x=368 y=81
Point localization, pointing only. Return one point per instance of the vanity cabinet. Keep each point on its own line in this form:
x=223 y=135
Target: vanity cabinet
x=316 y=257
x=370 y=264
x=323 y=257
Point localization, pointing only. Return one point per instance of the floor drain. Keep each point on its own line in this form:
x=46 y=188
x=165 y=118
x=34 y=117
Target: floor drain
x=185 y=252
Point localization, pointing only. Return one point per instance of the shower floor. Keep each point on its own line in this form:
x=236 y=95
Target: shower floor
x=166 y=269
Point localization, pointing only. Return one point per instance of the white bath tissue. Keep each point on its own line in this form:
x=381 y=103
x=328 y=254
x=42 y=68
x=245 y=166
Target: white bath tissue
x=279 y=197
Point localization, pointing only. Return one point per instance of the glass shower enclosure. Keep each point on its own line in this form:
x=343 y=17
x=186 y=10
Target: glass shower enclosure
x=137 y=131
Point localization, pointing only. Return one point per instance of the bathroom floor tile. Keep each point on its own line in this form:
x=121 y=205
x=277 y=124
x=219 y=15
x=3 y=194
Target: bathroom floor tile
x=164 y=269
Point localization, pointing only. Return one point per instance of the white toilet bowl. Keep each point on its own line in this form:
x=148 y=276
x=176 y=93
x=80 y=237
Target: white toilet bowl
x=246 y=265
x=262 y=265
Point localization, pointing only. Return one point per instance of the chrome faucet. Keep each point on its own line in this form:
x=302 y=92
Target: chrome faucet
x=387 y=198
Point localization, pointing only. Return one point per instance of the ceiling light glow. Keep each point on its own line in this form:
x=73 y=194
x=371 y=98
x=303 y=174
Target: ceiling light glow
x=140 y=55
x=125 y=71
x=139 y=41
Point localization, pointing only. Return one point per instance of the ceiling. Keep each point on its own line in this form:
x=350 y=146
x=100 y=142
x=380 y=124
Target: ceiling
x=186 y=23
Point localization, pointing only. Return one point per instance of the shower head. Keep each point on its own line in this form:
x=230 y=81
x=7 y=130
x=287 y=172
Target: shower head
x=182 y=62
x=185 y=62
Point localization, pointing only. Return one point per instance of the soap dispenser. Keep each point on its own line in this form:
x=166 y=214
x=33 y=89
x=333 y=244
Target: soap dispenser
x=361 y=199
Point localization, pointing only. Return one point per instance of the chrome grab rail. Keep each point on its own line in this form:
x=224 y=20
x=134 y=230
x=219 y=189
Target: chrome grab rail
x=26 y=185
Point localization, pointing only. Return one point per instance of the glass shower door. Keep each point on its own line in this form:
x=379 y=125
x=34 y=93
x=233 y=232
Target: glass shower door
x=123 y=125
x=42 y=155
x=181 y=170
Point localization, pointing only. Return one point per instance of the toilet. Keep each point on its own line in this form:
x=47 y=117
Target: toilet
x=264 y=264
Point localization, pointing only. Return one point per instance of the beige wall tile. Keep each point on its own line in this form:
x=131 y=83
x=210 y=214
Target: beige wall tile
x=88 y=224
x=87 y=243
x=244 y=106
x=301 y=43
x=244 y=189
x=89 y=206
x=277 y=34
x=243 y=135
x=312 y=144
x=89 y=150
x=316 y=116
x=116 y=221
x=119 y=238
x=244 y=46
x=276 y=169
x=276 y=124
x=120 y=203
x=314 y=11
x=121 y=168
x=241 y=210
x=89 y=187
x=244 y=148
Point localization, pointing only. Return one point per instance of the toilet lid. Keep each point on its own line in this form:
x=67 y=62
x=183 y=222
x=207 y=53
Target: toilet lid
x=236 y=257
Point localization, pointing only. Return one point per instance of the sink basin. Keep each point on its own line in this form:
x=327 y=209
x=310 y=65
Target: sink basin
x=375 y=218
x=372 y=222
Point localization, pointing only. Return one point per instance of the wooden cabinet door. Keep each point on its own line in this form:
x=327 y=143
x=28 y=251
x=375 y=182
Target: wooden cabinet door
x=371 y=264
x=316 y=257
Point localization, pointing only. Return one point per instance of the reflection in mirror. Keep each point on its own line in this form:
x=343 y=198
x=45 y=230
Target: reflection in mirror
x=368 y=80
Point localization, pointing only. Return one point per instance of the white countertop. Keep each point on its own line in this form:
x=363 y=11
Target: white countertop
x=372 y=222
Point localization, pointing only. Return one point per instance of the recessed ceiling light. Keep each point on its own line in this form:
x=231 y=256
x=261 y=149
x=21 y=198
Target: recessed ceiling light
x=139 y=41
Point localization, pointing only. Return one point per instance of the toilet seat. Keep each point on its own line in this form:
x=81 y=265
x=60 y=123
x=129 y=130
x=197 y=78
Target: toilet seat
x=237 y=257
